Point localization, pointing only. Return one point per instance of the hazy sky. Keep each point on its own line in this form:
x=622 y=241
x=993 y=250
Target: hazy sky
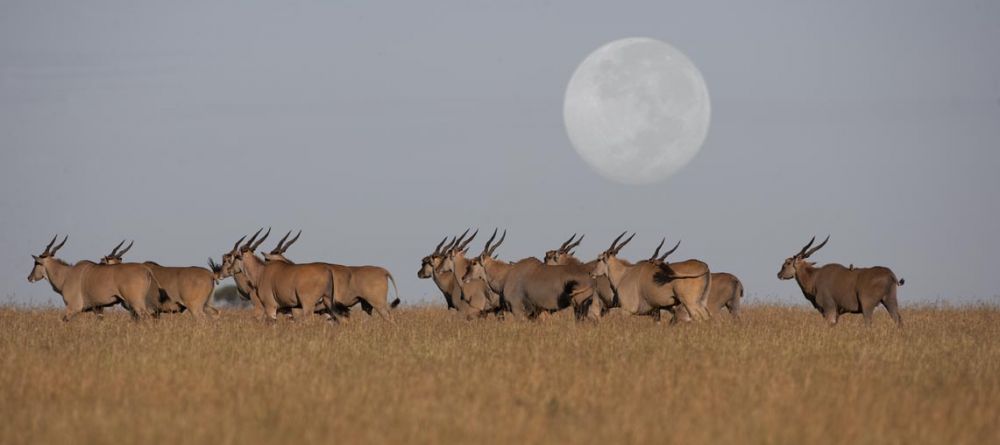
x=379 y=129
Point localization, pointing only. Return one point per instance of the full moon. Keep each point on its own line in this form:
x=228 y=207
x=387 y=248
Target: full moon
x=637 y=110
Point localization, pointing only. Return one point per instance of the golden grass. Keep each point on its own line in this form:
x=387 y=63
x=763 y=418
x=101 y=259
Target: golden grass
x=779 y=376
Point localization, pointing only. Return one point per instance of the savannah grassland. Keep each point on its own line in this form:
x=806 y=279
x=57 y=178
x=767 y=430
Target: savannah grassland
x=779 y=376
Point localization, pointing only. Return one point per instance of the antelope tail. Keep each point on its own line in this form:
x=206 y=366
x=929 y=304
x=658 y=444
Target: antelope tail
x=708 y=289
x=153 y=294
x=394 y=288
x=329 y=294
x=673 y=276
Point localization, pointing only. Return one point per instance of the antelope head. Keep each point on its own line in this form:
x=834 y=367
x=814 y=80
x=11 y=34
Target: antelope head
x=459 y=249
x=278 y=253
x=791 y=265
x=115 y=257
x=247 y=250
x=602 y=268
x=657 y=258
x=216 y=268
x=43 y=260
x=478 y=264
x=487 y=256
x=228 y=259
x=564 y=252
x=476 y=270
x=489 y=250
x=434 y=260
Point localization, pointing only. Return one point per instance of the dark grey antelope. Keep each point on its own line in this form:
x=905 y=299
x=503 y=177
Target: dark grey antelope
x=834 y=289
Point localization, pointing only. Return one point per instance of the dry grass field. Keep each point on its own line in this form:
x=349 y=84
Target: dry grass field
x=779 y=376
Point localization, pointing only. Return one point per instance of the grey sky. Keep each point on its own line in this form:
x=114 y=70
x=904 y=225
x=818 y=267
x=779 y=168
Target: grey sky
x=379 y=129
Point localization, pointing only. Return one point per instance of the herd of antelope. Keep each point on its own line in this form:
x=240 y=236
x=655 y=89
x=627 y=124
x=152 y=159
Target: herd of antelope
x=476 y=286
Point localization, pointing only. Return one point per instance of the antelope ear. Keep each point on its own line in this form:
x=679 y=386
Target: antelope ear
x=36 y=258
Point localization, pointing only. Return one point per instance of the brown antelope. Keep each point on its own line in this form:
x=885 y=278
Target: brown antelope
x=476 y=293
x=181 y=288
x=87 y=286
x=563 y=256
x=646 y=287
x=725 y=292
x=430 y=263
x=281 y=285
x=430 y=267
x=498 y=273
x=531 y=288
x=162 y=304
x=217 y=274
x=243 y=286
x=834 y=289
x=352 y=285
